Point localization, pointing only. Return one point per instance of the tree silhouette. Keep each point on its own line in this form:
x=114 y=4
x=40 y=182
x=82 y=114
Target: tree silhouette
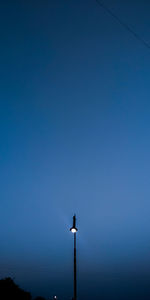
x=9 y=291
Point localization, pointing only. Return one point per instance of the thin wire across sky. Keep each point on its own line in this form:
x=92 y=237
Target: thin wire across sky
x=123 y=24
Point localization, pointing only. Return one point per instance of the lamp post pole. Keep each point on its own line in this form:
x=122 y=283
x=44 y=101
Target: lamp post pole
x=74 y=230
x=75 y=269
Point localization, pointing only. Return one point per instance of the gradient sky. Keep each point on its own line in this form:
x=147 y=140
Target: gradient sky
x=75 y=138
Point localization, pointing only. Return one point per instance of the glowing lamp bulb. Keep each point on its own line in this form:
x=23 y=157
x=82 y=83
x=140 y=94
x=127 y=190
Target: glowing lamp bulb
x=73 y=230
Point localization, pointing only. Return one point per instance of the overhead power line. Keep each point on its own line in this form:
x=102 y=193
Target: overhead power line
x=123 y=24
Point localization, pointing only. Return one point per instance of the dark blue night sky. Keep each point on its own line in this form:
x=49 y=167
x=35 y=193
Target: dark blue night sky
x=75 y=138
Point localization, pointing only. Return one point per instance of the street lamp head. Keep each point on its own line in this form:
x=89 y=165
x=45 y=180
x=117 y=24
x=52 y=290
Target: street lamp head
x=73 y=229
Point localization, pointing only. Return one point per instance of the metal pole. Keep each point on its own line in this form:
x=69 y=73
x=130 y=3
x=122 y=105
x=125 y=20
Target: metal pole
x=73 y=229
x=75 y=269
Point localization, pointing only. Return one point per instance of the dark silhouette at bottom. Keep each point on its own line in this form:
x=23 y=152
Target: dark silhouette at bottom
x=9 y=290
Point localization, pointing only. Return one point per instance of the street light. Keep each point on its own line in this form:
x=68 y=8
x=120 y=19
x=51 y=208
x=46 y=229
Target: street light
x=74 y=230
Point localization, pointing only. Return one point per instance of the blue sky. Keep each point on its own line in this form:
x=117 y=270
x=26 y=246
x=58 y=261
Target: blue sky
x=75 y=138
